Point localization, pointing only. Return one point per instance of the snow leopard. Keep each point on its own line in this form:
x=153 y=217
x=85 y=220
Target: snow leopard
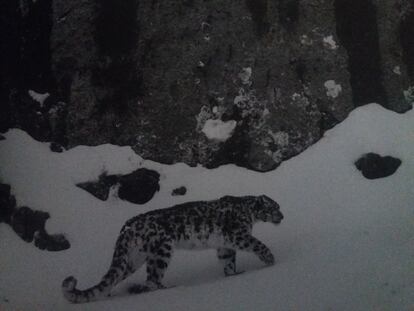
x=223 y=224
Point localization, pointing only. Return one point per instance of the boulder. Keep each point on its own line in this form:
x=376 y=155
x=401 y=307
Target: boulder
x=26 y=222
x=52 y=243
x=373 y=166
x=137 y=187
x=179 y=191
x=29 y=224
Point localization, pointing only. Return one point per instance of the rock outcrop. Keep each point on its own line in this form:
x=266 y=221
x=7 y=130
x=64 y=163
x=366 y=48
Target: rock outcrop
x=153 y=74
x=137 y=187
x=179 y=191
x=29 y=224
x=374 y=166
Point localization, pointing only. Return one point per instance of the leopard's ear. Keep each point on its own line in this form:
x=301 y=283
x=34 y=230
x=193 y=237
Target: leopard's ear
x=259 y=200
x=262 y=198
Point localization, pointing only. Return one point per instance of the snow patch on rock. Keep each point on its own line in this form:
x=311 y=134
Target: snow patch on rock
x=219 y=130
x=245 y=75
x=305 y=40
x=40 y=98
x=332 y=88
x=397 y=70
x=409 y=94
x=330 y=43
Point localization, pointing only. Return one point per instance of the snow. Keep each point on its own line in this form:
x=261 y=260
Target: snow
x=397 y=70
x=239 y=99
x=305 y=40
x=40 y=98
x=332 y=88
x=245 y=75
x=346 y=243
x=330 y=43
x=219 y=130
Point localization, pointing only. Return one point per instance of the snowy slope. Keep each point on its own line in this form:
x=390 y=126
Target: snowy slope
x=346 y=243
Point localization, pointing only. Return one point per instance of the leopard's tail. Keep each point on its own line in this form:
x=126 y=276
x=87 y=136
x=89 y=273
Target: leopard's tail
x=74 y=295
x=115 y=274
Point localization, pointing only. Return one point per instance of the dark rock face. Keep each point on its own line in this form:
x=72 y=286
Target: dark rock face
x=26 y=62
x=357 y=30
x=150 y=74
x=179 y=191
x=29 y=224
x=137 y=187
x=406 y=31
x=373 y=166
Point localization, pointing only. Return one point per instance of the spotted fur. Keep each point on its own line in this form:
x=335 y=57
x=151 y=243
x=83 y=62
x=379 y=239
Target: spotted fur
x=224 y=224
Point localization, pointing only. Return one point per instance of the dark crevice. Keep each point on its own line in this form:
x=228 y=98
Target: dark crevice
x=288 y=13
x=65 y=14
x=188 y=3
x=299 y=66
x=327 y=121
x=10 y=62
x=357 y=30
x=26 y=65
x=116 y=26
x=258 y=11
x=65 y=68
x=115 y=76
x=35 y=47
x=230 y=53
x=407 y=42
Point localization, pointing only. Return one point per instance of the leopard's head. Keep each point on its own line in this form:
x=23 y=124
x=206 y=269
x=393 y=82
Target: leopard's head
x=265 y=209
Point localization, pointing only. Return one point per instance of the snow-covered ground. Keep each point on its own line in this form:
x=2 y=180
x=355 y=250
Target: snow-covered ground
x=346 y=243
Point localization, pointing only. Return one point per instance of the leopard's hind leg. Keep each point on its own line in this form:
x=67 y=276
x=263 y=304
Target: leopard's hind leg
x=157 y=260
x=136 y=259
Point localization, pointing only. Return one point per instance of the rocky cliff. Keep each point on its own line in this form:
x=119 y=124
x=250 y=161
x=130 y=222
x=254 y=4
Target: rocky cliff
x=250 y=82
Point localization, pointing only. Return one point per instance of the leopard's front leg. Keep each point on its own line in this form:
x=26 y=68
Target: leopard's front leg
x=227 y=257
x=249 y=243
